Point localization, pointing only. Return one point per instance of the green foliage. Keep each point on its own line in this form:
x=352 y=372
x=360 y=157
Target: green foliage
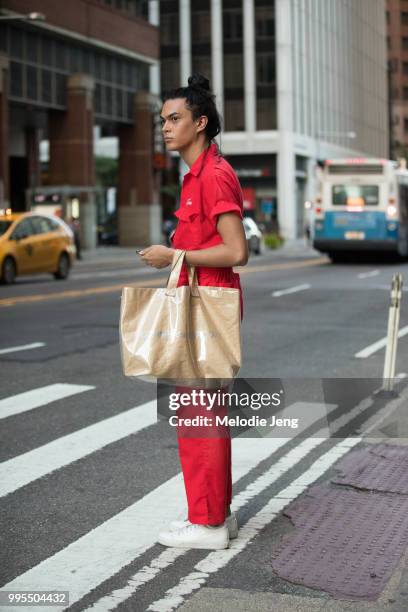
x=273 y=240
x=106 y=171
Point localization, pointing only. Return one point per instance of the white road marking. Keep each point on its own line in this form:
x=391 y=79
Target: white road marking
x=291 y=290
x=109 y=547
x=36 y=398
x=376 y=346
x=216 y=560
x=368 y=274
x=22 y=347
x=294 y=456
x=101 y=553
x=402 y=375
x=30 y=466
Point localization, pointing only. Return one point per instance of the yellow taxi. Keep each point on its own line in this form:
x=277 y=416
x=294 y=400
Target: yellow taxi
x=33 y=243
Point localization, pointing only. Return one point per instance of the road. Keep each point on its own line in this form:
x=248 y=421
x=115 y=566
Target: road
x=88 y=475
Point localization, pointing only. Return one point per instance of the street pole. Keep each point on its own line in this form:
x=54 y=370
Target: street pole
x=392 y=333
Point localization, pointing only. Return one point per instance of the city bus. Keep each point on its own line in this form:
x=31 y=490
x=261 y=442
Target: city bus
x=361 y=205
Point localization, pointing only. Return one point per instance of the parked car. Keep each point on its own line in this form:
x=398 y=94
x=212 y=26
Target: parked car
x=253 y=235
x=33 y=243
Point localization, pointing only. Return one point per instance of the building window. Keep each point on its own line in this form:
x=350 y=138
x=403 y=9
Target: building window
x=405 y=93
x=405 y=42
x=406 y=124
x=16 y=79
x=394 y=64
x=395 y=93
x=388 y=42
x=200 y=26
x=46 y=86
x=232 y=25
x=405 y=68
x=233 y=70
x=265 y=26
x=170 y=71
x=266 y=114
x=388 y=16
x=202 y=64
x=234 y=115
x=404 y=17
x=169 y=27
x=265 y=69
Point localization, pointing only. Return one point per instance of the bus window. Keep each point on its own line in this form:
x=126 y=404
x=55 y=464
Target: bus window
x=352 y=195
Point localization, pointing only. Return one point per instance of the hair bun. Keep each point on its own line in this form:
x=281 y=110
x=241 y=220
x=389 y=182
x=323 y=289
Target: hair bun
x=199 y=81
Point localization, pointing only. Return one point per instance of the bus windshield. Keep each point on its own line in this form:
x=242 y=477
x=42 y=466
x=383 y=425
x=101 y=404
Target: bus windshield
x=4 y=225
x=355 y=195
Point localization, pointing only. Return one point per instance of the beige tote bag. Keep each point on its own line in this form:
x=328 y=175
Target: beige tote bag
x=183 y=334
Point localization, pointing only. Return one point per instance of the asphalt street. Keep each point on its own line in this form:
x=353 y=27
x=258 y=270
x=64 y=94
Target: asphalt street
x=88 y=476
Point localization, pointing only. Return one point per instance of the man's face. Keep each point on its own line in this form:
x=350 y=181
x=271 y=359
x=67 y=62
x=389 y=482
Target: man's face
x=179 y=129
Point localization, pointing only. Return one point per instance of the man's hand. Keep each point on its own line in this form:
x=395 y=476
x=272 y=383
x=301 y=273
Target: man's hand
x=157 y=256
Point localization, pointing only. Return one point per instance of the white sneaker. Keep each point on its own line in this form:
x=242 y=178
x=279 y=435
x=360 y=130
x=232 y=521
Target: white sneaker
x=196 y=536
x=231 y=523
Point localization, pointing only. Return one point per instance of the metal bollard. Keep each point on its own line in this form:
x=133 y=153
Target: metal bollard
x=392 y=332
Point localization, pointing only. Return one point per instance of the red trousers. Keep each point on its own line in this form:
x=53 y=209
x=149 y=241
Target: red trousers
x=206 y=461
x=205 y=457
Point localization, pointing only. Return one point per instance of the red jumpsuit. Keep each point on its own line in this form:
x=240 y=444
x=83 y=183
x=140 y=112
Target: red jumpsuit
x=210 y=188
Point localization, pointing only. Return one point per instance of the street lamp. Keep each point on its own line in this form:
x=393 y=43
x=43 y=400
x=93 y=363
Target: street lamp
x=28 y=17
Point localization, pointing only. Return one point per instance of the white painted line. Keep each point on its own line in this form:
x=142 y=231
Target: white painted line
x=368 y=274
x=109 y=547
x=30 y=466
x=22 y=347
x=291 y=290
x=376 y=346
x=23 y=402
x=402 y=375
x=101 y=553
x=216 y=560
x=294 y=456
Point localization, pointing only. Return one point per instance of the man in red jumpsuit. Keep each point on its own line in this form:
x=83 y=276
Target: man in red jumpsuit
x=210 y=230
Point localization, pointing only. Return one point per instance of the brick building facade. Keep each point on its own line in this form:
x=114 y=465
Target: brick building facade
x=88 y=63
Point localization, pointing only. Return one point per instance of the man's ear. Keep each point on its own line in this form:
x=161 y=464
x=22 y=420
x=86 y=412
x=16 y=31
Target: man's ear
x=202 y=122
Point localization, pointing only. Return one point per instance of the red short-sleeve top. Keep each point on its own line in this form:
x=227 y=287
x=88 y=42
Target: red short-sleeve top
x=210 y=188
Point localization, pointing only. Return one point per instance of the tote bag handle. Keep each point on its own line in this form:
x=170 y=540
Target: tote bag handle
x=176 y=264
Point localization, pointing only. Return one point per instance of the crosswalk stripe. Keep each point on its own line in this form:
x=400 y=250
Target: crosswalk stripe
x=266 y=479
x=36 y=398
x=30 y=466
x=213 y=562
x=101 y=553
x=108 y=547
